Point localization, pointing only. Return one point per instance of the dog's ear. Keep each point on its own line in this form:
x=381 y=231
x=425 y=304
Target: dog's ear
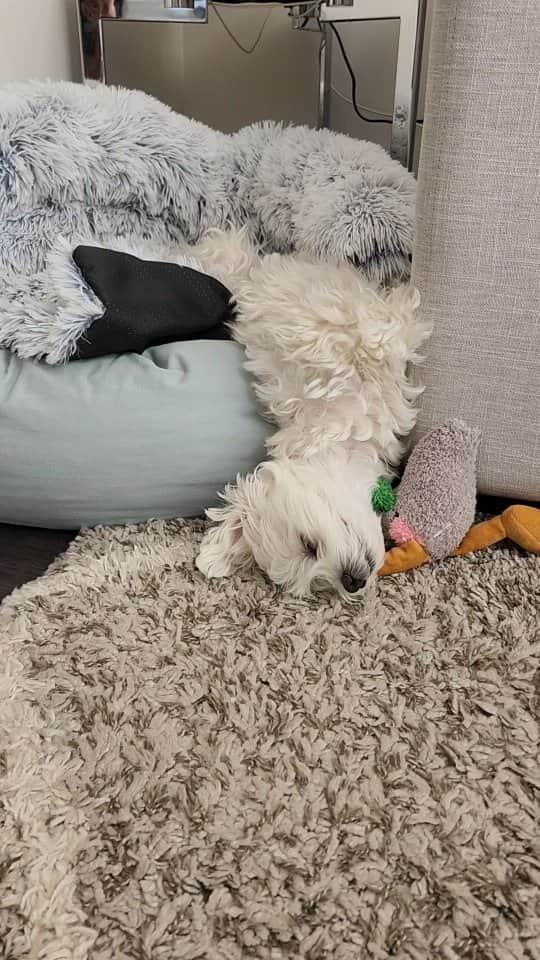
x=224 y=548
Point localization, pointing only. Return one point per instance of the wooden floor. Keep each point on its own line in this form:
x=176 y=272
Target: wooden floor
x=26 y=552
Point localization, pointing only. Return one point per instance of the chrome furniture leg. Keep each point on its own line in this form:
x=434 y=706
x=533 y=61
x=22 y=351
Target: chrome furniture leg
x=411 y=15
x=325 y=71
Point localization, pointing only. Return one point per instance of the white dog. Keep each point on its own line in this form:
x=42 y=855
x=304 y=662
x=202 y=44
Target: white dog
x=329 y=354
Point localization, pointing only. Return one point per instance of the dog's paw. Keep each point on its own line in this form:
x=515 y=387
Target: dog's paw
x=223 y=549
x=212 y=561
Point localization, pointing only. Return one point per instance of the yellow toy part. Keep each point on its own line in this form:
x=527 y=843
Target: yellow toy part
x=520 y=524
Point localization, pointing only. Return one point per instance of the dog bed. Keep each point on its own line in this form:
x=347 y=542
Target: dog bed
x=107 y=162
x=124 y=438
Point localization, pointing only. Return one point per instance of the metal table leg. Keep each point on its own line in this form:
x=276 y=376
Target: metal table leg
x=325 y=76
x=411 y=15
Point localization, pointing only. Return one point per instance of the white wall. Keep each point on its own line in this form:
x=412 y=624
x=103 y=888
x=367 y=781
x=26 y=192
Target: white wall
x=38 y=40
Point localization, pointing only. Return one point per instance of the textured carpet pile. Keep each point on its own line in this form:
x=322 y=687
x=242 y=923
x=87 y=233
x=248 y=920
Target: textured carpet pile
x=213 y=770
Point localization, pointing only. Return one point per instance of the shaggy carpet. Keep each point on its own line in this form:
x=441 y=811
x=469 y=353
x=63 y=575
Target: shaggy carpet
x=195 y=769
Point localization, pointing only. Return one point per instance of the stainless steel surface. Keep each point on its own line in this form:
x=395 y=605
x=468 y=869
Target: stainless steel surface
x=93 y=13
x=302 y=14
x=416 y=80
x=308 y=14
x=411 y=16
x=325 y=70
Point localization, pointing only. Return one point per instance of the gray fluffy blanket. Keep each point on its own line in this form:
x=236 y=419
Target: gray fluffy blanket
x=106 y=163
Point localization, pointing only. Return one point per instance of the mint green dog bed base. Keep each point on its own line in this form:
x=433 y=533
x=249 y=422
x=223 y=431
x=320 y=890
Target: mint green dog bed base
x=122 y=439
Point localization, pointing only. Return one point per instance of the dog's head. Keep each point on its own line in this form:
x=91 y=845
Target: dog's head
x=309 y=525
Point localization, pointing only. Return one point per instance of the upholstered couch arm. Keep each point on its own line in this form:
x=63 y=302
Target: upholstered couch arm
x=477 y=253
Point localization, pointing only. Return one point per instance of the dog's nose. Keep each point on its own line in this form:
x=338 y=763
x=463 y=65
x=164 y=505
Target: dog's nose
x=352 y=583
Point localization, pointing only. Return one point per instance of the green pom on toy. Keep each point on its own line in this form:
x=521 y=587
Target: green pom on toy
x=383 y=497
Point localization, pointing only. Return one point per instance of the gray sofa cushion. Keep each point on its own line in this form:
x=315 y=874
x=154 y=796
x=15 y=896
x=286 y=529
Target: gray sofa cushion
x=123 y=438
x=477 y=253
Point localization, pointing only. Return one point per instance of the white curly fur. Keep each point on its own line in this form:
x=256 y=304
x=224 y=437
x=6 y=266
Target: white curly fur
x=329 y=353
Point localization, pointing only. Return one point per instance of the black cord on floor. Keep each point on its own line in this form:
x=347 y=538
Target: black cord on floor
x=353 y=80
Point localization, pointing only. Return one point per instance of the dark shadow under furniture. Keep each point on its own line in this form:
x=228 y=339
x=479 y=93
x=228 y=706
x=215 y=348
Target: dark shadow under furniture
x=26 y=552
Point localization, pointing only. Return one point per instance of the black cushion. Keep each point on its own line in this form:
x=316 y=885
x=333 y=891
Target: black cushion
x=148 y=302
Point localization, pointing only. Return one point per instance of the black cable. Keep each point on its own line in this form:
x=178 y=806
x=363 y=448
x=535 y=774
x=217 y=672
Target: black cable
x=353 y=80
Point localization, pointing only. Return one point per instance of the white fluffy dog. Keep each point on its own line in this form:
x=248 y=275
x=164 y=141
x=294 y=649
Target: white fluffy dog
x=329 y=354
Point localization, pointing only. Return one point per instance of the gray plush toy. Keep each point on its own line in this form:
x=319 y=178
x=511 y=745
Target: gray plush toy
x=436 y=498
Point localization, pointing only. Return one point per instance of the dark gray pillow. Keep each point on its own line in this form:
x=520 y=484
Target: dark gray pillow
x=148 y=302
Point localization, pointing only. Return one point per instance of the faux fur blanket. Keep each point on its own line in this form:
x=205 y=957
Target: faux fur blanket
x=79 y=162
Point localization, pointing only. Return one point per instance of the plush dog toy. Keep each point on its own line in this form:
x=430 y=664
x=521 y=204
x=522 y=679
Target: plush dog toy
x=436 y=500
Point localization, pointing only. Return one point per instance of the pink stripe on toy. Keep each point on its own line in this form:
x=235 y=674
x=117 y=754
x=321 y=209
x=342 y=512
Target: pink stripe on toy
x=401 y=531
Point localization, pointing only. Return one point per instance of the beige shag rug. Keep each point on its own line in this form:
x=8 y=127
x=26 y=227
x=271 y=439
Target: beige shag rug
x=212 y=770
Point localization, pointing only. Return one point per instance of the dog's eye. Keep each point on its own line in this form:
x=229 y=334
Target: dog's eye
x=310 y=548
